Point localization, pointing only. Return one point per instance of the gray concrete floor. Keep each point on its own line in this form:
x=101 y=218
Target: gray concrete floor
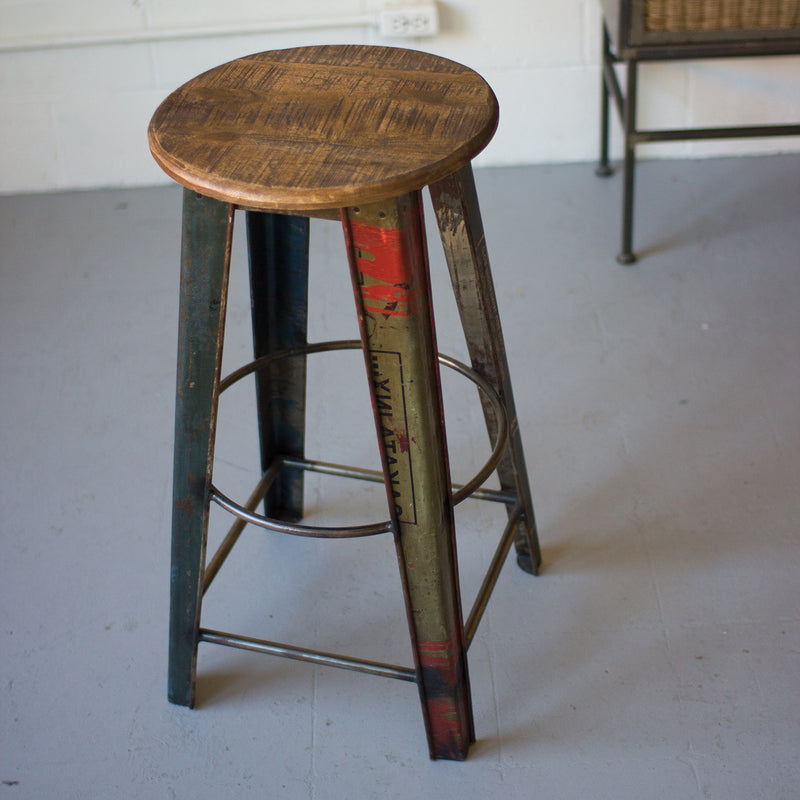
x=657 y=655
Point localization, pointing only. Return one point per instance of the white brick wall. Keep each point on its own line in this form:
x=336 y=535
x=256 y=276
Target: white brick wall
x=76 y=117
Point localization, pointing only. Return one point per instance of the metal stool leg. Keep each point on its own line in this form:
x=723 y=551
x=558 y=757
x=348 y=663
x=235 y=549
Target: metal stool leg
x=388 y=259
x=278 y=246
x=205 y=262
x=456 y=203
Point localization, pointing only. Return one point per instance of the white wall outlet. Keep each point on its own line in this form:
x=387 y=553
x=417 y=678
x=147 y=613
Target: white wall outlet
x=409 y=20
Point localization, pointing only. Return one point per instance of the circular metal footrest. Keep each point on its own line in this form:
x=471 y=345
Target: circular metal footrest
x=382 y=527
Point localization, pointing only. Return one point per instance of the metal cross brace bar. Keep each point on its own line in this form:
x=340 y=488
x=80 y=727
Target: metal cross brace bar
x=332 y=659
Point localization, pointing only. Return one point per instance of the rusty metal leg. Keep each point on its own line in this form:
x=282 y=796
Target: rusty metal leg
x=455 y=201
x=278 y=246
x=205 y=261
x=388 y=259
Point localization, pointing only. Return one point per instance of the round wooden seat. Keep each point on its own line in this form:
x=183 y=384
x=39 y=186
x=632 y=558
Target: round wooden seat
x=314 y=128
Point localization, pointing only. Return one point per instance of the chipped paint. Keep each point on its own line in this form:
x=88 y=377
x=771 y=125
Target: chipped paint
x=378 y=253
x=443 y=682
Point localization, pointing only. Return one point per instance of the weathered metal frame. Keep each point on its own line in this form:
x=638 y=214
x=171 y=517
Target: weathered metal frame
x=389 y=269
x=205 y=264
x=622 y=44
x=391 y=284
x=455 y=201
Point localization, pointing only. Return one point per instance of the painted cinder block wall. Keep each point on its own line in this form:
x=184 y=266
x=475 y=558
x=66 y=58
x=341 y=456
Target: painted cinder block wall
x=79 y=80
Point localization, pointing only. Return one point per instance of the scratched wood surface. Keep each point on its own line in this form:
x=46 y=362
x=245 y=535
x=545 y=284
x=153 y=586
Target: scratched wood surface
x=322 y=127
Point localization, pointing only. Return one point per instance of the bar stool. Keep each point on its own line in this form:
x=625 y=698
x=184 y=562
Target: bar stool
x=351 y=133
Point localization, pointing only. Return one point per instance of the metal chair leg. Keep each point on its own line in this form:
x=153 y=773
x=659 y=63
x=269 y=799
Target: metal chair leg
x=388 y=259
x=278 y=247
x=626 y=254
x=205 y=262
x=603 y=168
x=455 y=201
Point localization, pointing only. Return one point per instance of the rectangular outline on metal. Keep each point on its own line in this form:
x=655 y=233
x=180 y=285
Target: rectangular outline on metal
x=374 y=356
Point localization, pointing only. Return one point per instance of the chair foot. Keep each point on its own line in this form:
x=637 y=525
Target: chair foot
x=603 y=170
x=626 y=258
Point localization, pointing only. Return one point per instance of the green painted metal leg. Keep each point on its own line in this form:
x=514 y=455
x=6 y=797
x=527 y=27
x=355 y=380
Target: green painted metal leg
x=389 y=267
x=205 y=261
x=278 y=246
x=455 y=201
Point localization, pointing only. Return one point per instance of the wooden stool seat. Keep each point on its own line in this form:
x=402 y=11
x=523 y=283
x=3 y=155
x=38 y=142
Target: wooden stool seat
x=353 y=133
x=322 y=127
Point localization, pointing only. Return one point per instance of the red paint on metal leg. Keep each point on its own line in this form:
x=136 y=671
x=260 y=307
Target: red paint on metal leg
x=378 y=254
x=388 y=261
x=443 y=681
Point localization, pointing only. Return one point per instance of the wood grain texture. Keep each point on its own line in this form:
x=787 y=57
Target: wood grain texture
x=322 y=127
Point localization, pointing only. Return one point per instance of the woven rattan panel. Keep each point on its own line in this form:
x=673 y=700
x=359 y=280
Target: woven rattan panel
x=675 y=16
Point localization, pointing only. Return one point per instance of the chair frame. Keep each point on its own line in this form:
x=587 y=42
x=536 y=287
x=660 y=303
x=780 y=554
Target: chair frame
x=626 y=41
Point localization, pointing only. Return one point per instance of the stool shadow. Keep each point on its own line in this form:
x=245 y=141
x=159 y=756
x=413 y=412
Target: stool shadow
x=702 y=219
x=650 y=547
x=218 y=687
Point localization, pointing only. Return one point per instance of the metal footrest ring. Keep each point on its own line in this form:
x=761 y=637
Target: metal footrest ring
x=247 y=515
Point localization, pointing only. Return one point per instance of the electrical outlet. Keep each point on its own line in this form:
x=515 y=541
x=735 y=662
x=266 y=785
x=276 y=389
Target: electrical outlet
x=409 y=21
